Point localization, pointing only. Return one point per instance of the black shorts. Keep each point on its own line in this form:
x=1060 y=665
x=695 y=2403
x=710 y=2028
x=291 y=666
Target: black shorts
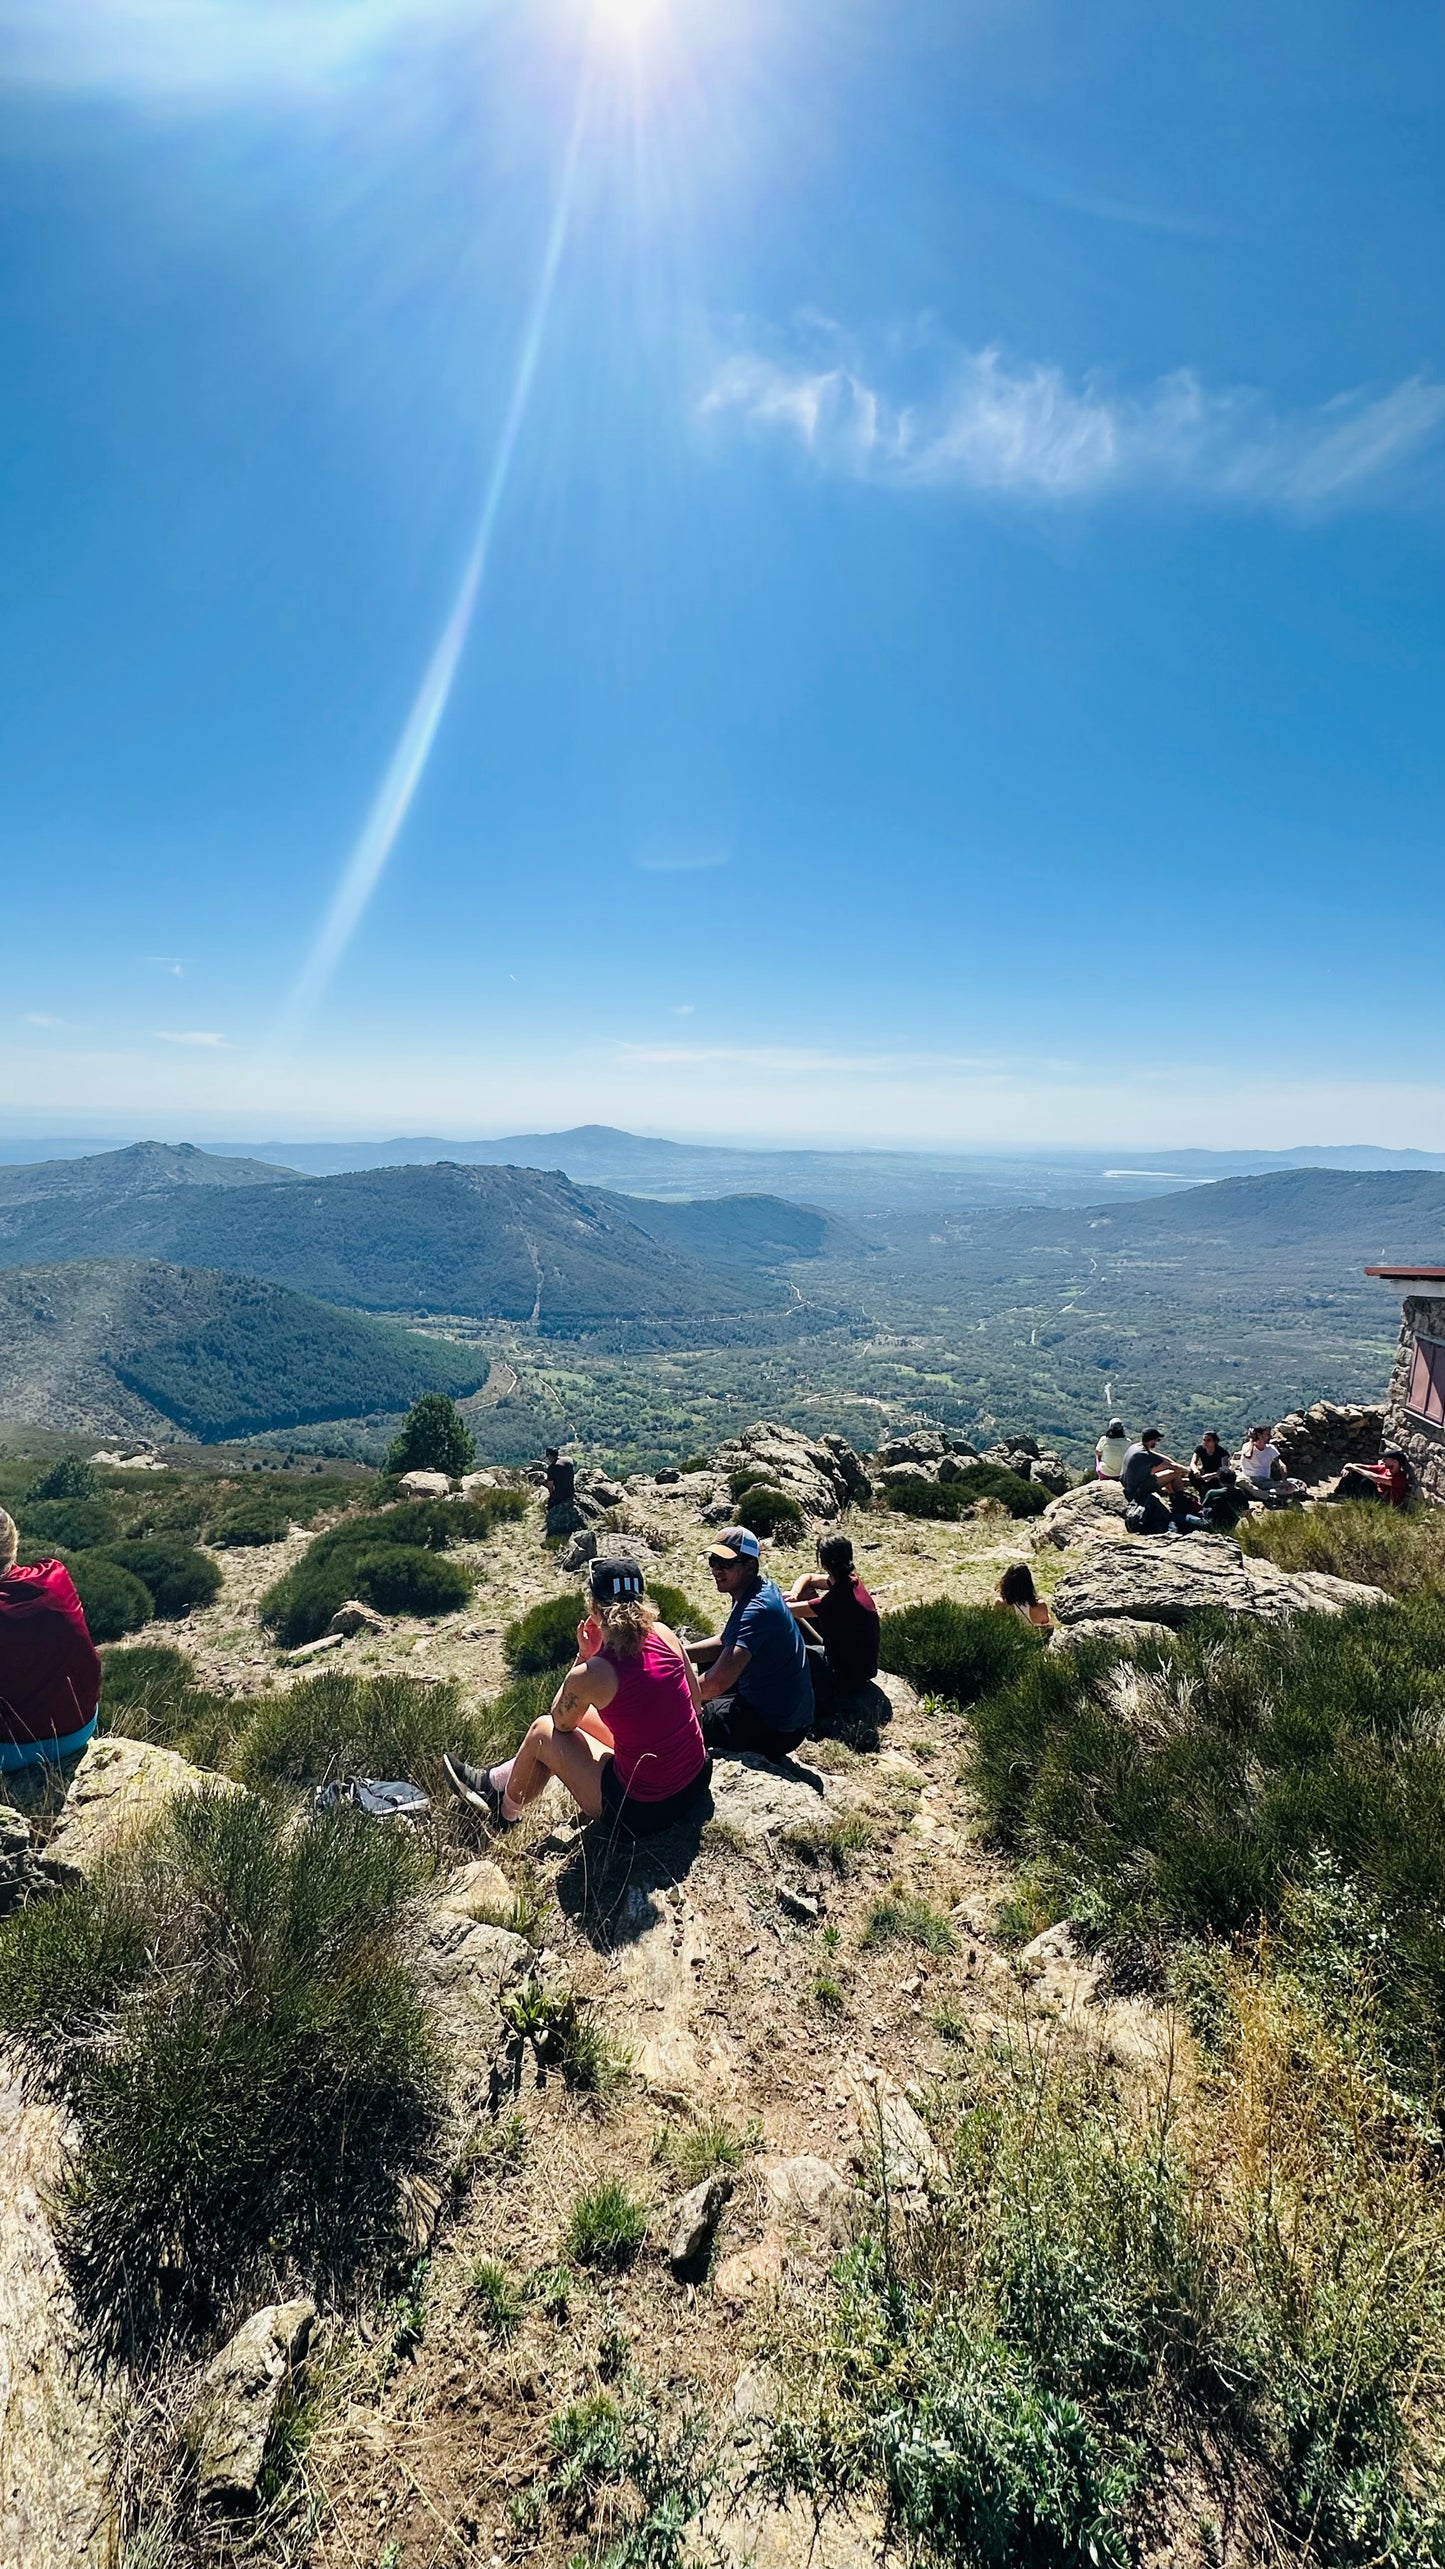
x=647 y=1819
x=734 y=1726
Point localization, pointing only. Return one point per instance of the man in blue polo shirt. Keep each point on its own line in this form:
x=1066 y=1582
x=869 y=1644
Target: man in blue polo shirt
x=759 y=1657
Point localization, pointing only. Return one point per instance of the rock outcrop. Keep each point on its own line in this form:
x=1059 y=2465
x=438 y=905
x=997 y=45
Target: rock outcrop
x=1155 y=1579
x=824 y=1477
x=54 y=2503
x=1093 y=1513
x=240 y=2393
x=120 y=1787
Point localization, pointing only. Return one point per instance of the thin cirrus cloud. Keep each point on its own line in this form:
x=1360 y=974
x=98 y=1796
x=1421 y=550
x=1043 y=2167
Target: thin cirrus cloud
x=206 y=1042
x=991 y=428
x=169 y=47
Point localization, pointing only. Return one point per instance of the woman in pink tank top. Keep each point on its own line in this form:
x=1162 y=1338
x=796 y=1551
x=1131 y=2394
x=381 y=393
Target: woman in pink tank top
x=623 y=1733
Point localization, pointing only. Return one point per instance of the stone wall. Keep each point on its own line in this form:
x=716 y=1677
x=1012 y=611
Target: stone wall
x=1424 y=1445
x=1316 y=1443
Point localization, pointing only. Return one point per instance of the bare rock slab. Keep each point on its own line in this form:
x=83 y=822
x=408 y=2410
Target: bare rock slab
x=54 y=2503
x=757 y=1800
x=240 y=2392
x=1151 y=1579
x=121 y=1786
x=892 y=2134
x=694 y=2222
x=661 y=1955
x=803 y=2189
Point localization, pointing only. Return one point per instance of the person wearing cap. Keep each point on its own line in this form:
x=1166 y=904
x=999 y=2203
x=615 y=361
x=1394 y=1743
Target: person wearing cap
x=759 y=1658
x=1110 y=1451
x=623 y=1733
x=49 y=1666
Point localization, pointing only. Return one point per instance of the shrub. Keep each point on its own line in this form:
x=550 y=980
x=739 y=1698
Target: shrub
x=1402 y=1553
x=951 y=1499
x=958 y=1652
x=746 y=1476
x=68 y=1525
x=545 y=1637
x=766 y=1511
x=258 y=1519
x=71 y=1478
x=433 y=1438
x=606 y=2226
x=115 y=1602
x=250 y=2084
x=396 y=1578
x=149 y=1691
x=339 y=1724
x=688 y=1621
x=177 y=1575
x=403 y=1580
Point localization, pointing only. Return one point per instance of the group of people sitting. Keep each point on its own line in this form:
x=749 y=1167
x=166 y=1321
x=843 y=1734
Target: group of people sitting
x=1214 y=1489
x=636 y=1720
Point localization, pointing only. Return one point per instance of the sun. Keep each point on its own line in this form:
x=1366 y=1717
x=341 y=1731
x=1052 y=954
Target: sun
x=627 y=22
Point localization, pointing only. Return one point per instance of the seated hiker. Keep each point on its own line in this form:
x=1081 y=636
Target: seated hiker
x=1261 y=1469
x=623 y=1732
x=1151 y=1479
x=1387 y=1480
x=835 y=1613
x=759 y=1658
x=1212 y=1468
x=1016 y=1589
x=49 y=1669
x=1110 y=1451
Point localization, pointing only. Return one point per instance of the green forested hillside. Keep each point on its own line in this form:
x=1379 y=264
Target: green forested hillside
x=110 y=1345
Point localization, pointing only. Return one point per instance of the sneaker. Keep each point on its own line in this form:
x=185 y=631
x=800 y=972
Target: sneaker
x=473 y=1785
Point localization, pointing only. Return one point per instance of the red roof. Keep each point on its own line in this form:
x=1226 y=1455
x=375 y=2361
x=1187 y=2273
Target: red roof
x=1409 y=1275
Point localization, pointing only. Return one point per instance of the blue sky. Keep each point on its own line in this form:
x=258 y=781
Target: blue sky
x=859 y=572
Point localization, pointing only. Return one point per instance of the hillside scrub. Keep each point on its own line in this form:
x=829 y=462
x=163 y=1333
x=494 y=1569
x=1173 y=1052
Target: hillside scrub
x=71 y=1478
x=149 y=1691
x=251 y=1520
x=545 y=1637
x=958 y=1652
x=177 y=1575
x=115 y=1601
x=433 y=1438
x=1403 y=1553
x=390 y=1559
x=1180 y=1794
x=766 y=1512
x=336 y=1724
x=67 y=1525
x=1010 y=2374
x=976 y=1481
x=226 y=2014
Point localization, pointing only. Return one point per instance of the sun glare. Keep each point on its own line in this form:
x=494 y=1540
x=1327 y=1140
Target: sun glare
x=627 y=22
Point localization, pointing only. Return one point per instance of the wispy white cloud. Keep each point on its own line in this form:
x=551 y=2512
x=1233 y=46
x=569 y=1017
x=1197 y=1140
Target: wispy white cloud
x=982 y=424
x=169 y=47
x=38 y=1017
x=170 y=963
x=206 y=1041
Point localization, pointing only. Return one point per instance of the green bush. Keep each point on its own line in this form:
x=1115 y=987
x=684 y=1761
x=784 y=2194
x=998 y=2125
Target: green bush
x=746 y=1476
x=766 y=1511
x=1181 y=1794
x=67 y=1525
x=262 y=1517
x=903 y=1919
x=395 y=1578
x=545 y=1637
x=339 y=1724
x=1403 y=1553
x=177 y=1575
x=950 y=1499
x=227 y=2017
x=689 y=1622
x=115 y=1601
x=70 y=1478
x=959 y=1652
x=401 y=1579
x=433 y=1438
x=149 y=1691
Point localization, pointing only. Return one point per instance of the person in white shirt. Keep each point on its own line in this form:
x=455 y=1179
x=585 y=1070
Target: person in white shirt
x=1261 y=1468
x=1110 y=1451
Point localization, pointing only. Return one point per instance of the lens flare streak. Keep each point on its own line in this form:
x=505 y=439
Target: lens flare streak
x=397 y=792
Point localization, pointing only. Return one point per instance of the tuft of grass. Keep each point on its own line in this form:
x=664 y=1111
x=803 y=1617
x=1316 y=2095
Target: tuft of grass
x=339 y=1724
x=834 y=1842
x=958 y=1652
x=149 y=1691
x=544 y=1638
x=491 y=2149
x=903 y=1919
x=701 y=2149
x=606 y=2225
x=498 y=2303
x=552 y=2288
x=1402 y=1552
x=226 y=2014
x=567 y=2037
x=628 y=2466
x=829 y=1996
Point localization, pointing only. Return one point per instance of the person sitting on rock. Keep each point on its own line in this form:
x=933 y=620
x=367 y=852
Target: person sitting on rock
x=49 y=1667
x=1261 y=1469
x=1110 y=1451
x=1016 y=1589
x=1212 y=1468
x=759 y=1659
x=623 y=1733
x=1150 y=1479
x=837 y=1616
x=1389 y=1479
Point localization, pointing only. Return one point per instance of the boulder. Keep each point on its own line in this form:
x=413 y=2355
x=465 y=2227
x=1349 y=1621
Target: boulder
x=582 y=1549
x=926 y=1445
x=803 y=2189
x=891 y=2135
x=1127 y=1632
x=758 y=1800
x=120 y=1787
x=318 y=1649
x=354 y=1617
x=20 y=1873
x=424 y=1485
x=693 y=2222
x=824 y=1478
x=1093 y=1513
x=478 y=1891
x=472 y=1485
x=1156 y=1579
x=55 y=2427
x=889 y=1474
x=239 y=2395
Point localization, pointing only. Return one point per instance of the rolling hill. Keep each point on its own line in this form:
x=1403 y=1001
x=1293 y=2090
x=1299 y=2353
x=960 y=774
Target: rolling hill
x=119 y=1346
x=741 y=1230
x=482 y=1243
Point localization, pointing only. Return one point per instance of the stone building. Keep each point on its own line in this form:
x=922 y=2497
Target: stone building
x=1415 y=1402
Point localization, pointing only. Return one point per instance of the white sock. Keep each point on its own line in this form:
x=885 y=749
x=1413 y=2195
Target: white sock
x=500 y=1776
x=511 y=1811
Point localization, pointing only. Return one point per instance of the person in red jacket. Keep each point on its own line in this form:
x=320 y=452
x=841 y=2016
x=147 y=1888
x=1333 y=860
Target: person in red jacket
x=49 y=1670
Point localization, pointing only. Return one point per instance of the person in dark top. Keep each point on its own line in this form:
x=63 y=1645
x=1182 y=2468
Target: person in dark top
x=759 y=1658
x=561 y=1479
x=1156 y=1485
x=1213 y=1467
x=49 y=1667
x=834 y=1610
